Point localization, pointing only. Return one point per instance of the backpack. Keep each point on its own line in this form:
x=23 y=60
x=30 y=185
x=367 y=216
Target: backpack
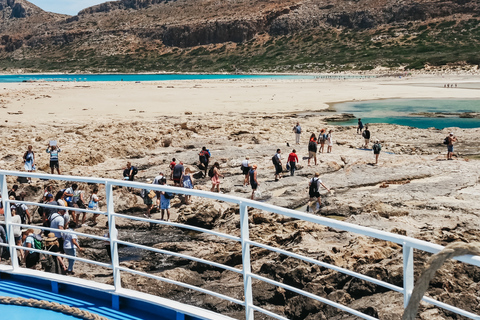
x=211 y=173
x=134 y=171
x=321 y=137
x=20 y=212
x=377 y=147
x=313 y=188
x=144 y=193
x=275 y=160
x=298 y=129
x=364 y=134
x=445 y=141
x=169 y=195
x=37 y=242
x=312 y=146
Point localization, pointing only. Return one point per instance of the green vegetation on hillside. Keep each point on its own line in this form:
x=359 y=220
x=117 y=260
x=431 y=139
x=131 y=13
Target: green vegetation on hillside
x=412 y=45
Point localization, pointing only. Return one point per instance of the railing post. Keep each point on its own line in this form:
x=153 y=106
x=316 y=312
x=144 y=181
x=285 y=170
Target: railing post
x=8 y=220
x=112 y=231
x=408 y=283
x=247 y=280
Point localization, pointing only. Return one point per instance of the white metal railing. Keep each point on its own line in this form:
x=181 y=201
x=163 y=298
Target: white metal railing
x=408 y=244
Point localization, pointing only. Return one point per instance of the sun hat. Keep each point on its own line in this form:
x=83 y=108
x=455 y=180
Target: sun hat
x=11 y=197
x=317 y=174
x=451 y=133
x=51 y=237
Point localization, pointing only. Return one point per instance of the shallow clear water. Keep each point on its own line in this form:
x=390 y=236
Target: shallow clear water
x=400 y=111
x=141 y=77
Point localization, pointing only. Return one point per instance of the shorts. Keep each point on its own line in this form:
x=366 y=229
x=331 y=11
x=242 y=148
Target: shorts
x=367 y=141
x=176 y=179
x=32 y=259
x=81 y=205
x=245 y=170
x=147 y=200
x=54 y=164
x=254 y=185
x=278 y=169
x=450 y=148
x=312 y=154
x=164 y=204
x=315 y=195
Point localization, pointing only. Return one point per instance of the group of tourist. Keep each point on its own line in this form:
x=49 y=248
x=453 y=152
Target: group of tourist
x=58 y=219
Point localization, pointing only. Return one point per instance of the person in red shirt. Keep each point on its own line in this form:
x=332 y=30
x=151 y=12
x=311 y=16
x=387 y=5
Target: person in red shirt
x=172 y=165
x=292 y=161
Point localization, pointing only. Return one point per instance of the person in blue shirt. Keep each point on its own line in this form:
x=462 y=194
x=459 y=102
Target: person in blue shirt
x=54 y=150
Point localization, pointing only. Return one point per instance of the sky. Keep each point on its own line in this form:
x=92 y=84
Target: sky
x=71 y=7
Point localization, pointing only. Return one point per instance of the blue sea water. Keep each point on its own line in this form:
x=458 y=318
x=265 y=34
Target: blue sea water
x=140 y=77
x=401 y=112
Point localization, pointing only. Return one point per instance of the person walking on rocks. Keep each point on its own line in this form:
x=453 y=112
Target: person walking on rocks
x=277 y=162
x=204 y=158
x=178 y=172
x=187 y=181
x=216 y=177
x=322 y=137
x=292 y=161
x=450 y=140
x=165 y=201
x=366 y=136
x=329 y=141
x=54 y=151
x=314 y=191
x=253 y=180
x=172 y=166
x=312 y=148
x=245 y=170
x=298 y=131
x=360 y=126
x=29 y=161
x=376 y=150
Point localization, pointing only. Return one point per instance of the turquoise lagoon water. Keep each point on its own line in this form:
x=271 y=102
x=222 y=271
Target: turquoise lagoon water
x=140 y=77
x=400 y=111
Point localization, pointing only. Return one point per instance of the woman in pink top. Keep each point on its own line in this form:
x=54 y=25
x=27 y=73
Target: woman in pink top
x=292 y=161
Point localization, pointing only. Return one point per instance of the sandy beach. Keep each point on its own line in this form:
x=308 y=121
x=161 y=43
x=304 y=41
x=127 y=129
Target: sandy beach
x=61 y=102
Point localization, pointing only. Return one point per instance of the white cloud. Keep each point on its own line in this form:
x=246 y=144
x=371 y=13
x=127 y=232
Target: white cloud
x=71 y=7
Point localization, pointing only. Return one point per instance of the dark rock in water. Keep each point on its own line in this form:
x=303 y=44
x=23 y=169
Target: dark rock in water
x=340 y=117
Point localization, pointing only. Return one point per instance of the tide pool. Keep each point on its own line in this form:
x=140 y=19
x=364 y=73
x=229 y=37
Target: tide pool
x=419 y=113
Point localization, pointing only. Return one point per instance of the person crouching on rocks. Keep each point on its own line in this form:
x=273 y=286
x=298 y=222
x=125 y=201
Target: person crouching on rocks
x=314 y=191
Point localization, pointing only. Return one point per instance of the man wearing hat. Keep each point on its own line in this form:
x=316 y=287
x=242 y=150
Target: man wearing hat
x=450 y=140
x=314 y=190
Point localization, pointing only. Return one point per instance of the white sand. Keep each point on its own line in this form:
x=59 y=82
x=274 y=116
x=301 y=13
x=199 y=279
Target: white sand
x=100 y=101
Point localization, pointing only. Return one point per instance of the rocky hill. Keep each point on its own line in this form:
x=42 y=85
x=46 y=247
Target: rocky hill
x=241 y=35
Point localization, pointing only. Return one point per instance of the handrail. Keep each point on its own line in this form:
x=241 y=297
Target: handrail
x=408 y=243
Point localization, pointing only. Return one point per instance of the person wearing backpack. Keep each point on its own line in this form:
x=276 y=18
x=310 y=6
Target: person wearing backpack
x=298 y=131
x=277 y=162
x=216 y=177
x=314 y=190
x=376 y=150
x=312 y=148
x=31 y=258
x=130 y=172
x=54 y=264
x=366 y=136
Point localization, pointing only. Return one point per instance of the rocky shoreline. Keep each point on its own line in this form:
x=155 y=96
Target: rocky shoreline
x=413 y=191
